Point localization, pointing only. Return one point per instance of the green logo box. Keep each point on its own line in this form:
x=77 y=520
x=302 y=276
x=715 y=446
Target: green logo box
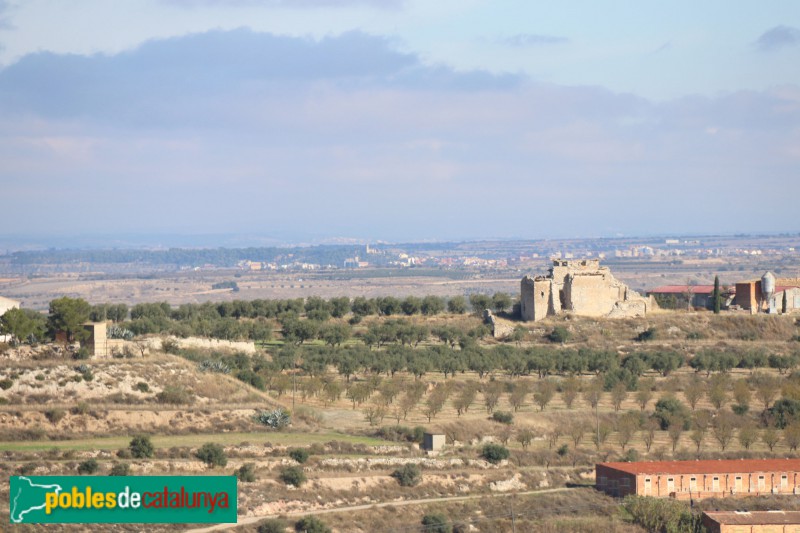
x=122 y=499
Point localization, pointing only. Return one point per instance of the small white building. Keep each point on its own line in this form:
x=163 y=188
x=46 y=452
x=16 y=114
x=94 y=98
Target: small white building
x=7 y=303
x=433 y=442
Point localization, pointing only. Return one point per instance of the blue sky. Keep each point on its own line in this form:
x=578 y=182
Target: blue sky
x=397 y=119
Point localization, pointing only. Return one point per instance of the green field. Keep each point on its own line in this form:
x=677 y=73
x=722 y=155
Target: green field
x=230 y=439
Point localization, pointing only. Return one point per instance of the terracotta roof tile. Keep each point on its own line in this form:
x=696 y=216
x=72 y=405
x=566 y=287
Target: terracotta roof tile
x=755 y=518
x=708 y=467
x=681 y=289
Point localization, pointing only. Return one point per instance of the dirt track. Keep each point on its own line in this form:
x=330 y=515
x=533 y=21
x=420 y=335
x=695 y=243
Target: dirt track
x=255 y=519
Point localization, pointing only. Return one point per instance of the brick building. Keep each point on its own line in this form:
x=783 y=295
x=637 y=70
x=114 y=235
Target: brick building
x=700 y=479
x=752 y=521
x=749 y=296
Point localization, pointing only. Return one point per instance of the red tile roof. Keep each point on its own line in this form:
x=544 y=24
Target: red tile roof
x=680 y=289
x=755 y=518
x=781 y=288
x=708 y=467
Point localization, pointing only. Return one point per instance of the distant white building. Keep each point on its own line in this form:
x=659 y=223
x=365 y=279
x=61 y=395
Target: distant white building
x=7 y=303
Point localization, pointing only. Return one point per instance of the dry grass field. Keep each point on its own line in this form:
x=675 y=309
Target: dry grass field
x=57 y=413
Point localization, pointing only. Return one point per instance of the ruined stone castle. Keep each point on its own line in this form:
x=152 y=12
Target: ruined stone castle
x=580 y=287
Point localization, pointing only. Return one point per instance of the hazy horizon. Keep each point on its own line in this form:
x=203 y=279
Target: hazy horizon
x=14 y=243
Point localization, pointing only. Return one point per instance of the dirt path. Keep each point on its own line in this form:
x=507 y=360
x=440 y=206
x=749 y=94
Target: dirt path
x=254 y=519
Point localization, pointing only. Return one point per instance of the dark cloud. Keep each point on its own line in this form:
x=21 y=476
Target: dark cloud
x=161 y=80
x=778 y=37
x=301 y=4
x=531 y=39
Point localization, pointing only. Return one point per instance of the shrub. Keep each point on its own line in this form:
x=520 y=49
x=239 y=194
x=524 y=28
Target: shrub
x=246 y=473
x=631 y=456
x=81 y=354
x=141 y=447
x=401 y=433
x=55 y=415
x=740 y=409
x=173 y=394
x=212 y=455
x=85 y=372
x=408 y=476
x=89 y=466
x=170 y=346
x=120 y=469
x=646 y=335
x=311 y=524
x=293 y=475
x=39 y=377
x=560 y=335
x=660 y=514
x=562 y=450
x=436 y=523
x=81 y=409
x=670 y=409
x=142 y=387
x=27 y=469
x=784 y=412
x=504 y=417
x=124 y=453
x=6 y=384
x=494 y=453
x=273 y=525
x=299 y=454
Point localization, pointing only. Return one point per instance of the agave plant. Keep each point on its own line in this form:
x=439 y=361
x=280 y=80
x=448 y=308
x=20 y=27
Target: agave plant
x=276 y=419
x=214 y=366
x=117 y=332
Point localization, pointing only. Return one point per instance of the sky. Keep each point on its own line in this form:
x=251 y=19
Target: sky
x=313 y=120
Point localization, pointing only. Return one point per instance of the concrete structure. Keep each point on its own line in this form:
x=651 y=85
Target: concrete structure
x=700 y=479
x=433 y=442
x=752 y=521
x=98 y=343
x=581 y=287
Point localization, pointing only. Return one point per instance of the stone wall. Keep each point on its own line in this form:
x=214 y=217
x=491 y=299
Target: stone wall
x=499 y=330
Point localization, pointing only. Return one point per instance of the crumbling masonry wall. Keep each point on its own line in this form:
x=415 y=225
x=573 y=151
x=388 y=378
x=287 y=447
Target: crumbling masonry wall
x=581 y=288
